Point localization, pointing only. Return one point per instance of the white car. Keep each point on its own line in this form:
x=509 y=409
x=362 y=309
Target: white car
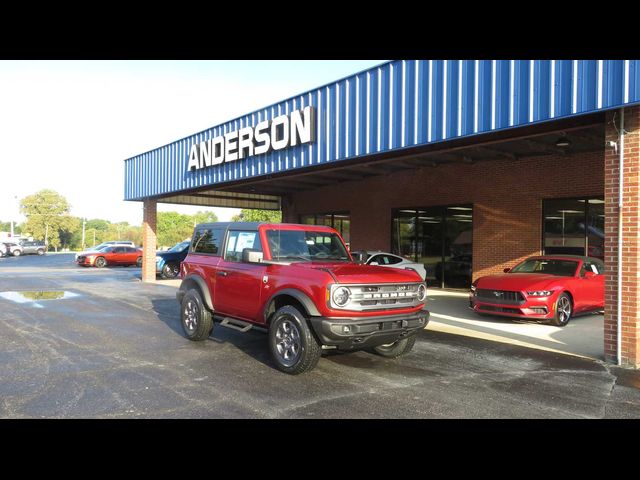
x=385 y=259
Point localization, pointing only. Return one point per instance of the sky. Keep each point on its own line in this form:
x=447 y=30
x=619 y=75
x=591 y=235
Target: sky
x=69 y=125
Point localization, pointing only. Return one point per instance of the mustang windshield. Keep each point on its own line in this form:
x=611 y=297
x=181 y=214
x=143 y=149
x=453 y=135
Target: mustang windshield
x=306 y=245
x=562 y=268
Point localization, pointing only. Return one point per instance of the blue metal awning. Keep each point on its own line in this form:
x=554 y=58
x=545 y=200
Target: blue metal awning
x=398 y=105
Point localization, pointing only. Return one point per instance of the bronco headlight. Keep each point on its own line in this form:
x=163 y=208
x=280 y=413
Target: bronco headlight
x=540 y=293
x=422 y=292
x=341 y=296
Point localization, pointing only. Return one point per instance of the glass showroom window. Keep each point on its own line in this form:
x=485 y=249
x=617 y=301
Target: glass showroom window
x=574 y=226
x=440 y=239
x=340 y=221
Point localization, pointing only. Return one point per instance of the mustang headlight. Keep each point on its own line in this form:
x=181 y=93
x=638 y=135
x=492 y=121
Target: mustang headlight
x=341 y=296
x=540 y=293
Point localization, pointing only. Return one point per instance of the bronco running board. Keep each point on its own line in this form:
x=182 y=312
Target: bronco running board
x=235 y=324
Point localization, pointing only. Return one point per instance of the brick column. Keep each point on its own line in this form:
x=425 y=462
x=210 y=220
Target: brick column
x=630 y=239
x=149 y=240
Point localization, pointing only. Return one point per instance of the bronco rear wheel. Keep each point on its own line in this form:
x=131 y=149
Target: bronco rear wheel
x=293 y=345
x=197 y=321
x=395 y=349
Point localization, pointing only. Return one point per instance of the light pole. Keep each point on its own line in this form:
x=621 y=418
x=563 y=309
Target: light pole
x=84 y=222
x=15 y=198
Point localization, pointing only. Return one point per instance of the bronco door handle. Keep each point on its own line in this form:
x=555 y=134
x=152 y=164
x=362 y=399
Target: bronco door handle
x=222 y=274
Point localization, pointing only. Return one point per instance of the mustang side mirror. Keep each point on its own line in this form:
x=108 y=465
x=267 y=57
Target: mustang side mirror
x=506 y=270
x=589 y=274
x=250 y=255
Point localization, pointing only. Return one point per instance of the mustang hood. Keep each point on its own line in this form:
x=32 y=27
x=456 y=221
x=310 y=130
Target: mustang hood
x=517 y=281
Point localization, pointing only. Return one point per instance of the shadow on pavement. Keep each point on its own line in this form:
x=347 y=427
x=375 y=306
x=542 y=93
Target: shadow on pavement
x=253 y=343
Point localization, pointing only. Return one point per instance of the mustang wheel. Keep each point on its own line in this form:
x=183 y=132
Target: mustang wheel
x=100 y=262
x=293 y=345
x=197 y=321
x=395 y=349
x=564 y=309
x=170 y=270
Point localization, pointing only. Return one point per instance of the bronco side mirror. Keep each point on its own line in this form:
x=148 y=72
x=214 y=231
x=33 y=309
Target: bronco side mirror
x=251 y=255
x=506 y=270
x=589 y=274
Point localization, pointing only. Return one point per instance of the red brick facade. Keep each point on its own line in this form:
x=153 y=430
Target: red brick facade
x=630 y=351
x=506 y=195
x=149 y=240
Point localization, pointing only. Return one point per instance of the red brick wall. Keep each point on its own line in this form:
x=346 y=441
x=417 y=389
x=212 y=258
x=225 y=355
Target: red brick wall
x=506 y=194
x=149 y=240
x=630 y=351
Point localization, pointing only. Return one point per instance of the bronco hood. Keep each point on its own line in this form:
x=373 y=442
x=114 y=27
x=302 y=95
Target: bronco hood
x=354 y=273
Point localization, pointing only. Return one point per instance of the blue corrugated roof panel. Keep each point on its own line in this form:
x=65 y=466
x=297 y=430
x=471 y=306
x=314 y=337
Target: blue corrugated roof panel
x=400 y=104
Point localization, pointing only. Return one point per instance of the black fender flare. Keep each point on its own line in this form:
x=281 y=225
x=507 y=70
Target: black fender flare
x=301 y=297
x=186 y=284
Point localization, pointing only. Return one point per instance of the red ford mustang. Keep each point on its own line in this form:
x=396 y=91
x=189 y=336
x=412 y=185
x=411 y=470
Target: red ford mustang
x=552 y=288
x=118 y=255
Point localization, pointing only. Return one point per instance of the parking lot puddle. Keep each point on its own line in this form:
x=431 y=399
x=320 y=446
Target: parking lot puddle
x=34 y=296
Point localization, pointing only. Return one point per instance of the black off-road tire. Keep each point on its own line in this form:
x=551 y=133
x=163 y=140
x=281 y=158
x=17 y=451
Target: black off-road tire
x=396 y=349
x=170 y=271
x=289 y=331
x=100 y=262
x=196 y=320
x=563 y=311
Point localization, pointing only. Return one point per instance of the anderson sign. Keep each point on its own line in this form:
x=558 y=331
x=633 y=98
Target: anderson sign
x=299 y=127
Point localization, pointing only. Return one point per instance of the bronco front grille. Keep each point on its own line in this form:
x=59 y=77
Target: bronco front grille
x=381 y=296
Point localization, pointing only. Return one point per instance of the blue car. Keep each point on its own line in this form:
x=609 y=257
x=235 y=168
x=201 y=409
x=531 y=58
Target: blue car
x=168 y=263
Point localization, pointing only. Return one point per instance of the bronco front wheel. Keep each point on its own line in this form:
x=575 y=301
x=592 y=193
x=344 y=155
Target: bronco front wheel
x=293 y=345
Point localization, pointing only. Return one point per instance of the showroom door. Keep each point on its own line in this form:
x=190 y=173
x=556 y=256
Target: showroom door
x=440 y=238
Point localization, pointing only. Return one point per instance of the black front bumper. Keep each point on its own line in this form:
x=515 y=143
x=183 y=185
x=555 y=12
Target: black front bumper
x=365 y=332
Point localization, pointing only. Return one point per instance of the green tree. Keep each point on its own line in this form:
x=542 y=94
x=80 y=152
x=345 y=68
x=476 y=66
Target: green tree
x=255 y=215
x=47 y=215
x=6 y=227
x=204 y=217
x=173 y=227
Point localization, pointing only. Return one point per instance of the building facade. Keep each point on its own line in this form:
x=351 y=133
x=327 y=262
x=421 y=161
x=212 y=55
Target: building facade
x=464 y=166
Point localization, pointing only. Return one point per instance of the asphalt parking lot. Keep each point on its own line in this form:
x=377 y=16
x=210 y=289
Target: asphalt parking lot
x=113 y=348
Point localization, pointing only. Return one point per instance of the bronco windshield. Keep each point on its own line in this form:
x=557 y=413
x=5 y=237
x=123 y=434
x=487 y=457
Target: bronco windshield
x=562 y=268
x=306 y=245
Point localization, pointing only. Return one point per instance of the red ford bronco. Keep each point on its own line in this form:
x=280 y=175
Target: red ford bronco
x=299 y=283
